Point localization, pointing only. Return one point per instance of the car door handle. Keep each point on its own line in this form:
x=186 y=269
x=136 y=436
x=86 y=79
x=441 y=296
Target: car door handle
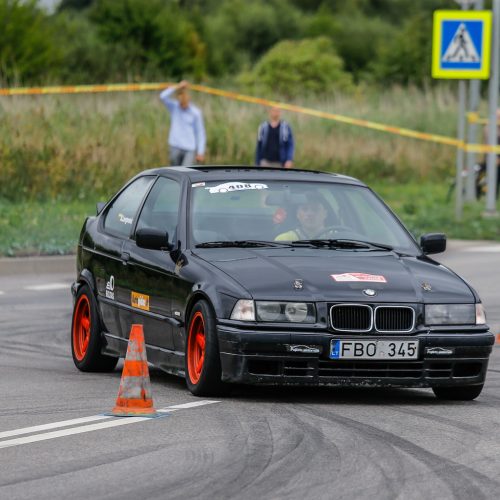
x=125 y=256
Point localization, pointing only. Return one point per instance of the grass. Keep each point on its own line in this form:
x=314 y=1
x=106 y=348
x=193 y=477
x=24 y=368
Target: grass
x=33 y=228
x=61 y=154
x=41 y=228
x=77 y=146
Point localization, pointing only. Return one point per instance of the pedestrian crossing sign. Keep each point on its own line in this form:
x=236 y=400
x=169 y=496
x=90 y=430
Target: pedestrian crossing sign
x=461 y=44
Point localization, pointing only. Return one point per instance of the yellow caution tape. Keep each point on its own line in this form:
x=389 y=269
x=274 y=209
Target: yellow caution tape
x=133 y=87
x=475 y=118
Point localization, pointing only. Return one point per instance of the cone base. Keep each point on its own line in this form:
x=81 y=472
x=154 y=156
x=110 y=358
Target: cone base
x=134 y=412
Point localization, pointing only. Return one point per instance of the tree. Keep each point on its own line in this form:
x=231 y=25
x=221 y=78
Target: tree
x=406 y=57
x=27 y=49
x=153 y=37
x=74 y=4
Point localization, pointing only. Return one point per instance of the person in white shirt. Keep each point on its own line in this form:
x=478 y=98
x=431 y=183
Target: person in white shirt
x=187 y=138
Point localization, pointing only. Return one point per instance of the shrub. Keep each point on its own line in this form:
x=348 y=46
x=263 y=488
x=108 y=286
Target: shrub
x=293 y=68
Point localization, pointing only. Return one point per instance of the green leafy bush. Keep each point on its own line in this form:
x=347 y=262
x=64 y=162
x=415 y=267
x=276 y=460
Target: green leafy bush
x=27 y=48
x=356 y=37
x=239 y=32
x=406 y=57
x=293 y=68
x=151 y=38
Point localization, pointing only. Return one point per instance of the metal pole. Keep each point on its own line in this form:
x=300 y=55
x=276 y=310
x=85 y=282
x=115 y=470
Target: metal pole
x=491 y=162
x=474 y=99
x=460 y=152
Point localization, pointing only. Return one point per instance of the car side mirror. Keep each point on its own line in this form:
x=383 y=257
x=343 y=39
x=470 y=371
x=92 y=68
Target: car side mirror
x=433 y=243
x=99 y=206
x=153 y=239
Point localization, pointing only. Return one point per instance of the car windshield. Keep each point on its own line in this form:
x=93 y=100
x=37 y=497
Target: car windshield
x=325 y=215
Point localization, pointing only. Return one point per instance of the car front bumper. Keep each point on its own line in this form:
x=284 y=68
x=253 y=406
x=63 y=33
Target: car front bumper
x=278 y=358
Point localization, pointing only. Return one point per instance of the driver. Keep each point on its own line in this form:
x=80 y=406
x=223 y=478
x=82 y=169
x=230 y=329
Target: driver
x=311 y=215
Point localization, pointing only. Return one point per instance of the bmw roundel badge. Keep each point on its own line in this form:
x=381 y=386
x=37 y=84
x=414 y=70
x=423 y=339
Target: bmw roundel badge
x=370 y=292
x=298 y=284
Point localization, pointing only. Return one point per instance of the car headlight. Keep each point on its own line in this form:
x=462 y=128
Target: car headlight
x=274 y=312
x=451 y=314
x=285 y=312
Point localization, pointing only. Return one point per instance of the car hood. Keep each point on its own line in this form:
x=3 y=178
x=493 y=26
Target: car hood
x=269 y=274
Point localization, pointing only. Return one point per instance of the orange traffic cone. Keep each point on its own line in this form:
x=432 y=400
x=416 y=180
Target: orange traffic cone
x=134 y=396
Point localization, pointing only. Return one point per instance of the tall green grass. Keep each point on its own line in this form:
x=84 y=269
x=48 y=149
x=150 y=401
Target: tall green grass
x=61 y=154
x=76 y=146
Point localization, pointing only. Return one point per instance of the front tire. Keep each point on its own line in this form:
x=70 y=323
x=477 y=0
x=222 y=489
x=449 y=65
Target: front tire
x=460 y=393
x=202 y=358
x=86 y=336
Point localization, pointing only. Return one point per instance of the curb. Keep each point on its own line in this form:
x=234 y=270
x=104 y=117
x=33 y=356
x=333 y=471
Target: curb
x=55 y=264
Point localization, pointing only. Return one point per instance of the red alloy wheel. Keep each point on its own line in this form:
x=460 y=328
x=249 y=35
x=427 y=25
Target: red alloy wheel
x=81 y=327
x=196 y=347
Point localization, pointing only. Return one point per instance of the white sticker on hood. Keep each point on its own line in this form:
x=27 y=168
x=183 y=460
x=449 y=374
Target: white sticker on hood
x=230 y=187
x=372 y=278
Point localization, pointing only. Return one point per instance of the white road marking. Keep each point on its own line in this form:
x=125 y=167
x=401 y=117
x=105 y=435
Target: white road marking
x=47 y=286
x=185 y=406
x=116 y=422
x=484 y=249
x=53 y=425
x=68 y=432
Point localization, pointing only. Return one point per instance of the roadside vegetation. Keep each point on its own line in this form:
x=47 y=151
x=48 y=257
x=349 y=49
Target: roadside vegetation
x=78 y=146
x=361 y=58
x=52 y=227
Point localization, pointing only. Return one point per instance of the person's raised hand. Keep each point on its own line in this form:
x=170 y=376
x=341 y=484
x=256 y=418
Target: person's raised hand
x=200 y=158
x=183 y=84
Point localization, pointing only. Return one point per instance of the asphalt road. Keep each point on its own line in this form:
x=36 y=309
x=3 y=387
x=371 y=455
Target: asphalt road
x=257 y=443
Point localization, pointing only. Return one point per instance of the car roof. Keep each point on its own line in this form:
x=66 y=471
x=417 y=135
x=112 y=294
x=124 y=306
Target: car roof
x=235 y=172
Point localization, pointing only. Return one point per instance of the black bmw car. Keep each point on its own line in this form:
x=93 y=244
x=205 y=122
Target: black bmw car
x=271 y=276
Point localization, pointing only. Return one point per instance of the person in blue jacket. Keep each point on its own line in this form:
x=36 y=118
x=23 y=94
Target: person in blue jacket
x=275 y=146
x=187 y=138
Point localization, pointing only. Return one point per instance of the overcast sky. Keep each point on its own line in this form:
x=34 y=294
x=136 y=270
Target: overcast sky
x=49 y=4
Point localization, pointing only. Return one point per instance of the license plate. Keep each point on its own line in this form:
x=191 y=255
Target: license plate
x=374 y=349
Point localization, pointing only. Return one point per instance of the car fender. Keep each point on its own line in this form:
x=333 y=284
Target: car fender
x=221 y=303
x=86 y=277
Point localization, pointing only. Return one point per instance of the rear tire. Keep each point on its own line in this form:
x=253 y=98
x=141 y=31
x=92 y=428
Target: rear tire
x=460 y=393
x=202 y=358
x=86 y=335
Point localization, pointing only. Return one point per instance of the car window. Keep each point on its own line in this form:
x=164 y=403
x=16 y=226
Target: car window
x=120 y=217
x=290 y=211
x=161 y=210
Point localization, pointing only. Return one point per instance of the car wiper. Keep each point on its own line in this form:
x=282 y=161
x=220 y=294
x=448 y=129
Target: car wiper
x=242 y=244
x=343 y=243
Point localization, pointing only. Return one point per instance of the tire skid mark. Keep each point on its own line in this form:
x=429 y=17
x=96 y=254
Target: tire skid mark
x=438 y=419
x=388 y=489
x=257 y=453
x=298 y=445
x=207 y=475
x=291 y=462
x=462 y=480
